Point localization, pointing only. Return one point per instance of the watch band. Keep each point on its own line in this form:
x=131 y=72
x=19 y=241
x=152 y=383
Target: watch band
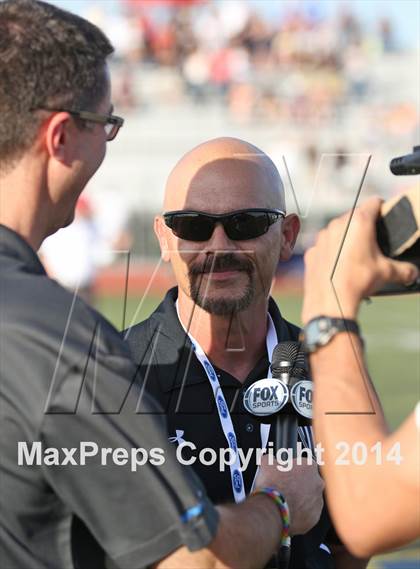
x=344 y=324
x=322 y=329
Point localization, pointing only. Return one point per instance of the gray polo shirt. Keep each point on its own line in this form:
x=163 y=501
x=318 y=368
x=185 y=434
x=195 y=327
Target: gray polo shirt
x=68 y=382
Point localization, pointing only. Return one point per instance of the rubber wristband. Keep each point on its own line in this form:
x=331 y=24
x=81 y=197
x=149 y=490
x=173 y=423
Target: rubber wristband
x=281 y=503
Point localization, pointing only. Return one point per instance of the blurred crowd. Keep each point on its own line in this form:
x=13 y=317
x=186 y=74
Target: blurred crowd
x=98 y=236
x=301 y=65
x=318 y=90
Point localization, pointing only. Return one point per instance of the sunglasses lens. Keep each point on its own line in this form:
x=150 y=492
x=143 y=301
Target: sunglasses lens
x=240 y=226
x=247 y=225
x=111 y=131
x=192 y=227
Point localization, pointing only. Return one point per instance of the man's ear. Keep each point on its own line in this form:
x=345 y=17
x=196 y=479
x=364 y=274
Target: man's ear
x=160 y=232
x=58 y=137
x=290 y=230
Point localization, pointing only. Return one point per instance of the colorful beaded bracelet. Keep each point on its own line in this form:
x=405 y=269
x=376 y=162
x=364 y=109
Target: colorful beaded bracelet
x=281 y=503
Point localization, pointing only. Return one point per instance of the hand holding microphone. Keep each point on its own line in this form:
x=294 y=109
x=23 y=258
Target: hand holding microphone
x=302 y=486
x=284 y=401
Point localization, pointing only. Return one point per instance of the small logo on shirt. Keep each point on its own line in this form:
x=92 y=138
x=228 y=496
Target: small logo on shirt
x=210 y=371
x=222 y=406
x=232 y=441
x=237 y=481
x=178 y=437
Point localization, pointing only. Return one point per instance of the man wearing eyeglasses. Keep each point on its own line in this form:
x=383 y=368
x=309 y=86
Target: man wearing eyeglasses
x=68 y=384
x=224 y=230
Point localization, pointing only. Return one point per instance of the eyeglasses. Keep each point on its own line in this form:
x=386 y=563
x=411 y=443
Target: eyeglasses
x=238 y=225
x=112 y=123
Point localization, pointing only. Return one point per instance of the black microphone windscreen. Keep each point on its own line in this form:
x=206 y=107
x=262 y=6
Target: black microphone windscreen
x=283 y=358
x=301 y=366
x=288 y=357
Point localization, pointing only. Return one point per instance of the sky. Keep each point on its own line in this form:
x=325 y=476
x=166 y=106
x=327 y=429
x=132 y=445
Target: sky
x=404 y=13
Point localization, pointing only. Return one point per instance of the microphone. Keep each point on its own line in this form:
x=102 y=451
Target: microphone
x=286 y=397
x=407 y=165
x=287 y=361
x=282 y=399
x=299 y=381
x=288 y=366
x=286 y=357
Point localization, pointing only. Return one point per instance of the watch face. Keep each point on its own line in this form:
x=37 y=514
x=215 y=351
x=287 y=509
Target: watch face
x=320 y=330
x=318 y=333
x=311 y=333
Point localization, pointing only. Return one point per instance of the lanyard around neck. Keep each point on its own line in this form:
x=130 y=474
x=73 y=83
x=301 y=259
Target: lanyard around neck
x=223 y=410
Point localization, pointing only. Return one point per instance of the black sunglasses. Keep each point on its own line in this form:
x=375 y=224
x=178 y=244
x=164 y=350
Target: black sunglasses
x=112 y=123
x=238 y=225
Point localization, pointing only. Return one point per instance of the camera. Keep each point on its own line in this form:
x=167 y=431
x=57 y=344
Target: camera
x=398 y=228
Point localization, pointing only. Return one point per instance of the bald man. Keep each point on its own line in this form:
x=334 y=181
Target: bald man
x=55 y=126
x=224 y=230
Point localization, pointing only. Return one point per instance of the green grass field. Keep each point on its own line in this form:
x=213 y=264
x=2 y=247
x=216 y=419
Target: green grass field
x=391 y=328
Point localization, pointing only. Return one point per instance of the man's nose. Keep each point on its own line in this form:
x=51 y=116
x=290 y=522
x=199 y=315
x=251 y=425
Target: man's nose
x=219 y=241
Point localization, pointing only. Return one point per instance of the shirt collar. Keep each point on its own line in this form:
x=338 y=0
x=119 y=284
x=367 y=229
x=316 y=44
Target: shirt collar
x=166 y=318
x=13 y=245
x=166 y=311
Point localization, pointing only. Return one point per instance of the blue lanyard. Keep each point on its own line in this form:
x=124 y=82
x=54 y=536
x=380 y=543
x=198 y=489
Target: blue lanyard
x=237 y=480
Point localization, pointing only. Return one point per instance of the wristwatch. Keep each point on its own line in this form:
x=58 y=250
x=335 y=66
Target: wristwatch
x=322 y=329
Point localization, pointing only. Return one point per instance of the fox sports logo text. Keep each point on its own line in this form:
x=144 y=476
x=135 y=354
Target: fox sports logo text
x=301 y=396
x=266 y=396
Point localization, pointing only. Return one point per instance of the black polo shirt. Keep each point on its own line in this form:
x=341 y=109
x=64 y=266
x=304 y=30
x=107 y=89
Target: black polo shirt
x=177 y=380
x=64 y=376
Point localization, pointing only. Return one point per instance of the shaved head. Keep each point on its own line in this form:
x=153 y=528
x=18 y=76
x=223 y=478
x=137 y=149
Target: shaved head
x=223 y=274
x=220 y=175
